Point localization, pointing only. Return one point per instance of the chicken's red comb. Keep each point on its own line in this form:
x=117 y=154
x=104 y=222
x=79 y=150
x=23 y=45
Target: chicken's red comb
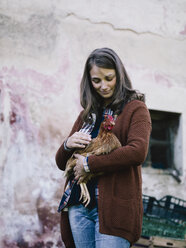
x=108 y=122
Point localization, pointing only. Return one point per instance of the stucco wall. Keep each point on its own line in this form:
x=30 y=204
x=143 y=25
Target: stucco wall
x=43 y=48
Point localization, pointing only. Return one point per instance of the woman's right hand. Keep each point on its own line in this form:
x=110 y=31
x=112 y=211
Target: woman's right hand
x=78 y=140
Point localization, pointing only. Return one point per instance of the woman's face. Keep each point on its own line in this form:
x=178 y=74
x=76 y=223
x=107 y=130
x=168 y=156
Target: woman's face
x=103 y=81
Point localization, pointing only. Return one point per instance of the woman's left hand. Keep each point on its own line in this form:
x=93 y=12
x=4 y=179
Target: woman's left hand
x=79 y=168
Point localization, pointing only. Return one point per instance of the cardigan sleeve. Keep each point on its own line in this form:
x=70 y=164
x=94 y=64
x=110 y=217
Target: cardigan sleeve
x=63 y=155
x=134 y=152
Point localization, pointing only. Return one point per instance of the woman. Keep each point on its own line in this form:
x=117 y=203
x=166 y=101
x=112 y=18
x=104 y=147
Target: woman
x=113 y=217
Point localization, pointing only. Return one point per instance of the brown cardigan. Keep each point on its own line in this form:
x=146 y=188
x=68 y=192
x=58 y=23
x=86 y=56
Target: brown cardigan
x=120 y=188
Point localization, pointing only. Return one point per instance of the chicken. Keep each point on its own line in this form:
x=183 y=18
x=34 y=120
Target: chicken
x=104 y=143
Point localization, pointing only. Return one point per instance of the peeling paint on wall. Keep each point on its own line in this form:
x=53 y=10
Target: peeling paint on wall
x=29 y=177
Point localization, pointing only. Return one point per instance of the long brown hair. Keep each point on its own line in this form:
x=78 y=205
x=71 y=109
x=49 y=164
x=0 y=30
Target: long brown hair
x=123 y=93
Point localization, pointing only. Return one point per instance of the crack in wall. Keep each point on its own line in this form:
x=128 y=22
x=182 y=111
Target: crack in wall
x=93 y=22
x=71 y=14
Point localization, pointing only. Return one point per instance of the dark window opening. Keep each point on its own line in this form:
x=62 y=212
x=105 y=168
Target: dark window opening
x=162 y=141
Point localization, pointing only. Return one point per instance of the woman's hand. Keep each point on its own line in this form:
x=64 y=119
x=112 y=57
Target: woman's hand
x=78 y=140
x=79 y=168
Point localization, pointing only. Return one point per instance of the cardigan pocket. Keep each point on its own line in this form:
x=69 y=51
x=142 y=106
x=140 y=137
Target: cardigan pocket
x=124 y=214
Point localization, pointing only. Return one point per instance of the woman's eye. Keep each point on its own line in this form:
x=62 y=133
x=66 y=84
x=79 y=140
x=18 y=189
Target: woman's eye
x=96 y=80
x=109 y=78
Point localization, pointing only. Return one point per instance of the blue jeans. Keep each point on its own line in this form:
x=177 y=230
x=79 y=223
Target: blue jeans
x=85 y=230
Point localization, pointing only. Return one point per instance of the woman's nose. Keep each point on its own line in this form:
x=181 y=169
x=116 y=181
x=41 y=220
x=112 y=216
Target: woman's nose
x=103 y=85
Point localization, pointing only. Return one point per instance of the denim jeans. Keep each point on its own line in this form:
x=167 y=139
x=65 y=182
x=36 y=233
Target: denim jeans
x=85 y=230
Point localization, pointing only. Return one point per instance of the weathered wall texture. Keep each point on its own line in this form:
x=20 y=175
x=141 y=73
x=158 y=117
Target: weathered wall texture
x=43 y=48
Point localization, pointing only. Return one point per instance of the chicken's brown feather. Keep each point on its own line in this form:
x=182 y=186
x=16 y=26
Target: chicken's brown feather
x=104 y=143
